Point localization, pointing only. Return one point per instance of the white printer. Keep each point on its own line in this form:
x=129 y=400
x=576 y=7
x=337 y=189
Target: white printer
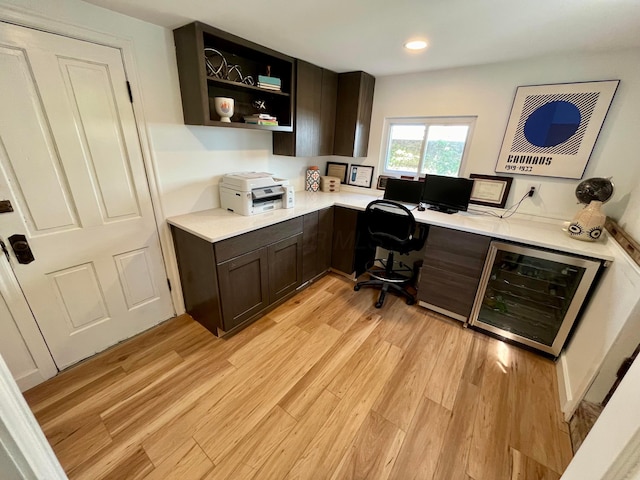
x=248 y=193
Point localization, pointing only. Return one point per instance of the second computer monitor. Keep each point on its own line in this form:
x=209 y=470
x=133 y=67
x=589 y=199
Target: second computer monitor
x=447 y=194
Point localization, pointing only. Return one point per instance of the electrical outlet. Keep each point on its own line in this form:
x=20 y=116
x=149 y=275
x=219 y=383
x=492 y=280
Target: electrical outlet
x=535 y=186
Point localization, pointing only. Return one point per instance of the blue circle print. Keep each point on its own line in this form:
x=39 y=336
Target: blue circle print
x=552 y=124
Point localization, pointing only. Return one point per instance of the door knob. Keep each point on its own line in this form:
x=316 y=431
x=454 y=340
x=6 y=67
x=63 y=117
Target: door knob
x=21 y=248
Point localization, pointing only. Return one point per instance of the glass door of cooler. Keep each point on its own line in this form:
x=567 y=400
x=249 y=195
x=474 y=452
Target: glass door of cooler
x=531 y=296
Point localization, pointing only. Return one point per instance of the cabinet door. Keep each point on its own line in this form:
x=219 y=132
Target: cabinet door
x=325 y=239
x=353 y=114
x=350 y=249
x=244 y=287
x=310 y=247
x=451 y=271
x=328 y=111
x=315 y=110
x=285 y=267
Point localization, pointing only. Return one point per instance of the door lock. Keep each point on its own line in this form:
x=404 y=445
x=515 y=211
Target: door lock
x=21 y=248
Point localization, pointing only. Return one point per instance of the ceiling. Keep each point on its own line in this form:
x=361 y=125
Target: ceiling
x=345 y=35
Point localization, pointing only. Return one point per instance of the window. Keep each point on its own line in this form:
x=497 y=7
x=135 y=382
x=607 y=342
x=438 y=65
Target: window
x=419 y=146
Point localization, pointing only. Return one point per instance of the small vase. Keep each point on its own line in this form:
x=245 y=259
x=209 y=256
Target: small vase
x=588 y=224
x=224 y=108
x=312 y=181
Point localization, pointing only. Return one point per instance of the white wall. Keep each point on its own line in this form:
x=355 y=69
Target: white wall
x=488 y=91
x=611 y=451
x=610 y=309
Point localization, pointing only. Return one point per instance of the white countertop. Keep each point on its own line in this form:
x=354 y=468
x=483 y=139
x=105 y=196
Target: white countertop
x=218 y=224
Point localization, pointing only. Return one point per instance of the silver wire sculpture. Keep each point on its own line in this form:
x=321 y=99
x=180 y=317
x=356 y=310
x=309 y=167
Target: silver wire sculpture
x=218 y=67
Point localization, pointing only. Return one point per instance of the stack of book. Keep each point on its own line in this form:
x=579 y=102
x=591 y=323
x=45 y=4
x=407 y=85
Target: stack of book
x=269 y=83
x=261 y=119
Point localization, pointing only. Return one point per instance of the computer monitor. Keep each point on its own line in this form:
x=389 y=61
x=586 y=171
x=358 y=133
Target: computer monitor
x=403 y=191
x=447 y=194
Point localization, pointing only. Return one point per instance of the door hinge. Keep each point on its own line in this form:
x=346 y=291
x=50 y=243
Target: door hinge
x=129 y=91
x=4 y=249
x=169 y=283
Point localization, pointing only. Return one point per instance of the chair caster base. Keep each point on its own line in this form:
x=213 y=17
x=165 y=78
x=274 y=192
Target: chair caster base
x=356 y=287
x=378 y=304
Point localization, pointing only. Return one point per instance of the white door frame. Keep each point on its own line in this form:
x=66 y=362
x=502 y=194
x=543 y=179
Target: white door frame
x=22 y=444
x=33 y=20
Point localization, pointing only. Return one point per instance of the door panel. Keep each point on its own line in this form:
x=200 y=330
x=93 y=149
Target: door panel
x=90 y=88
x=27 y=147
x=74 y=170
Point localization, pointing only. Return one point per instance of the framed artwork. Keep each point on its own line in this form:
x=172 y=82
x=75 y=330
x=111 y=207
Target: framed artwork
x=361 y=176
x=490 y=190
x=382 y=181
x=337 y=169
x=552 y=128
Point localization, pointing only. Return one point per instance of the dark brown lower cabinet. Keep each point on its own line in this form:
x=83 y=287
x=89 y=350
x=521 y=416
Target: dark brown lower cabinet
x=244 y=287
x=227 y=283
x=350 y=248
x=285 y=267
x=318 y=236
x=451 y=270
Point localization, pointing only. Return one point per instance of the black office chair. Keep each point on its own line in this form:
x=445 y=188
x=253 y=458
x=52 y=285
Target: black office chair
x=391 y=226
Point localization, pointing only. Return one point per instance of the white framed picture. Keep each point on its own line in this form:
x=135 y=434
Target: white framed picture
x=361 y=176
x=552 y=128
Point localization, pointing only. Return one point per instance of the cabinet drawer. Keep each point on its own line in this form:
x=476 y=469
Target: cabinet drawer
x=447 y=290
x=235 y=246
x=457 y=252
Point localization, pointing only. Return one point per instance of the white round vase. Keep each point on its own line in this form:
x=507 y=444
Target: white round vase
x=224 y=108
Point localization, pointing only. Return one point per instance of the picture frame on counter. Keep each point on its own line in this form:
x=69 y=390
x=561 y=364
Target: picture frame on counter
x=337 y=169
x=490 y=190
x=382 y=181
x=361 y=176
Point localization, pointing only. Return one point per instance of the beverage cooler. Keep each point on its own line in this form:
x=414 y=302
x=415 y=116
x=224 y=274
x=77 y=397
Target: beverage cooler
x=532 y=296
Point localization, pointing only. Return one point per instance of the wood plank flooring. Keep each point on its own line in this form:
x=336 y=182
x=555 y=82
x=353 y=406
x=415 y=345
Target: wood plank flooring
x=324 y=387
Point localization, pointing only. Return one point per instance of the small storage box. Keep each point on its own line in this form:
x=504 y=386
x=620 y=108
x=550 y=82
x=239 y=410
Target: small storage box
x=330 y=184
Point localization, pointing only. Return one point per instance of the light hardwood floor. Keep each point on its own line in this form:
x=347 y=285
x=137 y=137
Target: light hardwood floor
x=324 y=387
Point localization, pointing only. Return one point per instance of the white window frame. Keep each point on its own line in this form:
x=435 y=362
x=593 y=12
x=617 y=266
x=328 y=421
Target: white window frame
x=469 y=121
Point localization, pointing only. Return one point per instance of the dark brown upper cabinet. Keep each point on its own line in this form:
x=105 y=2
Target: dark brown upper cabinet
x=199 y=89
x=315 y=112
x=353 y=114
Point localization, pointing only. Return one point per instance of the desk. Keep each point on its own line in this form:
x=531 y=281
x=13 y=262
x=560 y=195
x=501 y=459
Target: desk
x=277 y=238
x=218 y=224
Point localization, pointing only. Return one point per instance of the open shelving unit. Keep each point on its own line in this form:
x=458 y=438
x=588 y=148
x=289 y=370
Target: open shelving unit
x=199 y=89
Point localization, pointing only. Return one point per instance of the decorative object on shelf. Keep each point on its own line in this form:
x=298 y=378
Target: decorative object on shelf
x=382 y=181
x=552 y=128
x=337 y=169
x=215 y=63
x=259 y=104
x=224 y=108
x=312 y=182
x=361 y=176
x=490 y=190
x=218 y=67
x=588 y=223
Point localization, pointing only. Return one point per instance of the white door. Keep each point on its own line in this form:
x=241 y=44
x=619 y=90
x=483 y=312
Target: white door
x=72 y=165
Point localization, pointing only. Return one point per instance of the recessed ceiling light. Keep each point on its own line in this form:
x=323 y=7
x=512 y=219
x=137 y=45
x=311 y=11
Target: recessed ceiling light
x=415 y=45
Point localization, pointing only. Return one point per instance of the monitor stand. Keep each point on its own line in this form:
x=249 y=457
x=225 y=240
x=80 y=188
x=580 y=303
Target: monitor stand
x=439 y=208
